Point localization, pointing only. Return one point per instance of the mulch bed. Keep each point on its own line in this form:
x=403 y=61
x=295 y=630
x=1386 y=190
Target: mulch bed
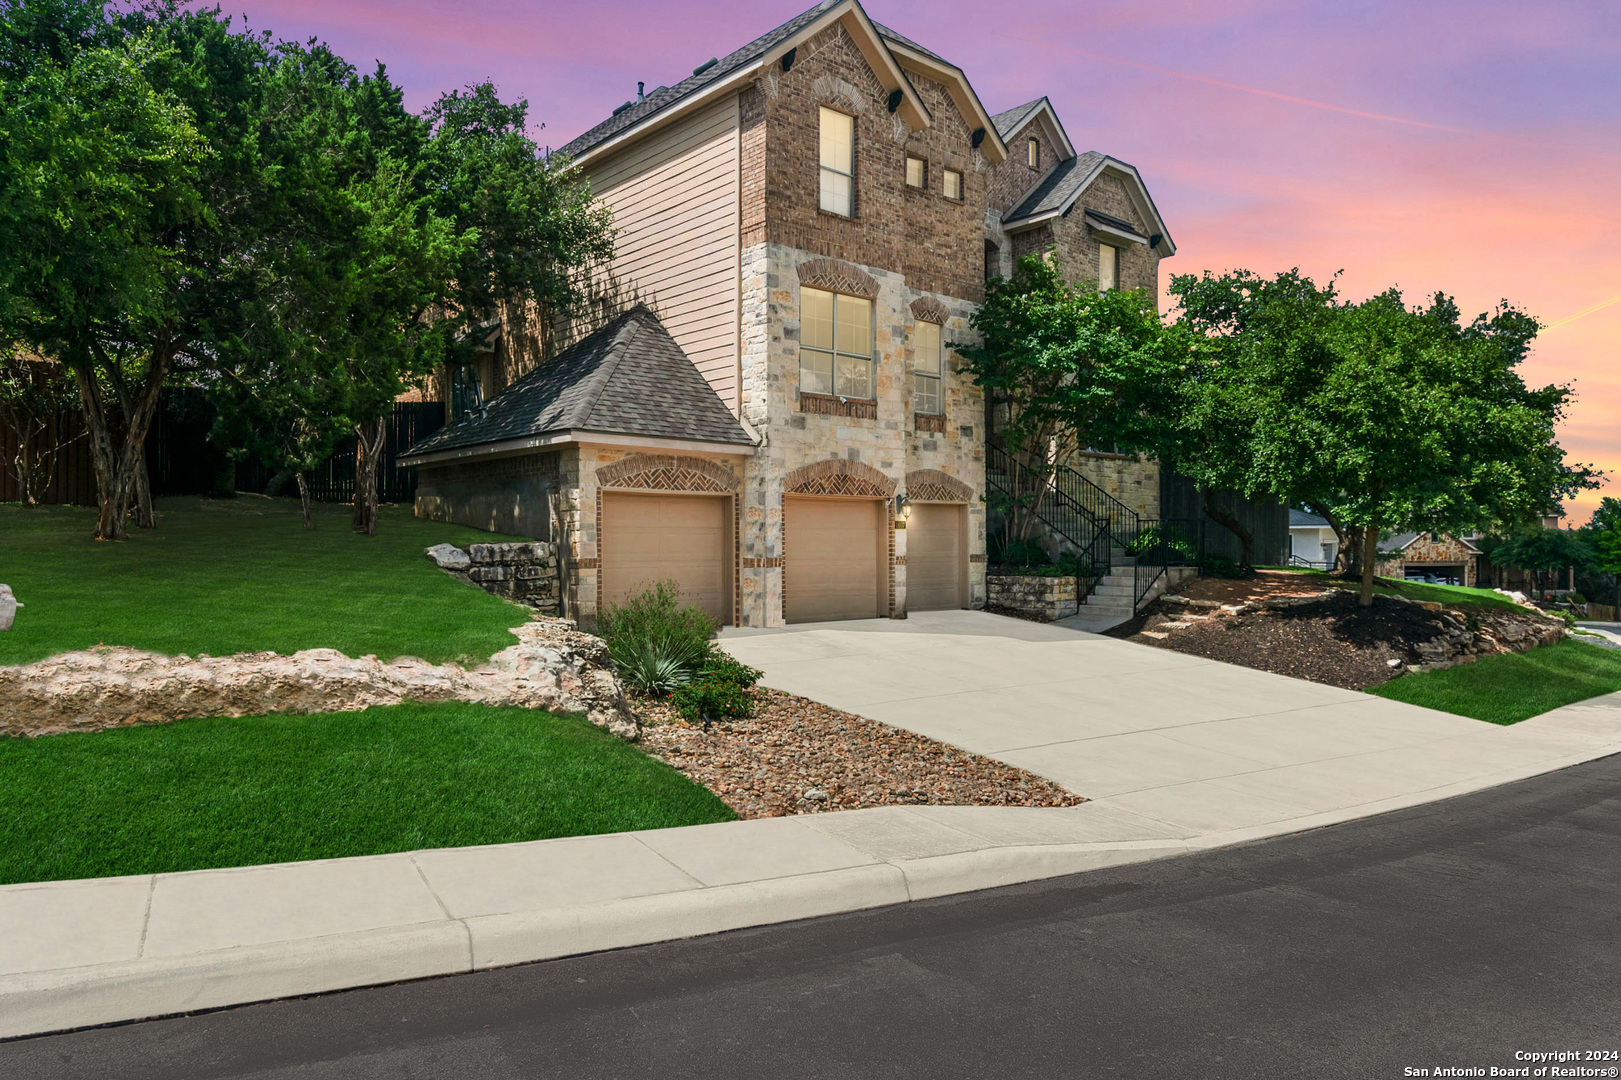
x=797 y=757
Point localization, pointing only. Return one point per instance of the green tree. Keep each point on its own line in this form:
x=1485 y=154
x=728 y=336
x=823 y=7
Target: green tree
x=1380 y=416
x=1071 y=367
x=34 y=393
x=1603 y=536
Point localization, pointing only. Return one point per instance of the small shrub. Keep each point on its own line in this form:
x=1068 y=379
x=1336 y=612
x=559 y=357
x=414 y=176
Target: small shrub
x=1213 y=565
x=1176 y=542
x=1024 y=553
x=657 y=643
x=723 y=667
x=1577 y=598
x=709 y=699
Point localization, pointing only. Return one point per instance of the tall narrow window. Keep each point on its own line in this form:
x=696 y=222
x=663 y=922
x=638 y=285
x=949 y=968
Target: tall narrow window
x=835 y=344
x=1108 y=268
x=838 y=162
x=926 y=369
x=1035 y=153
x=916 y=172
x=953 y=186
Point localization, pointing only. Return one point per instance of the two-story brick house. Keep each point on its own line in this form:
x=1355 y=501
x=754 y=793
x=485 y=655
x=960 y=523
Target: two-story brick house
x=783 y=429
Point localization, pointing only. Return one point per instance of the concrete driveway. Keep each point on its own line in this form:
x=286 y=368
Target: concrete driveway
x=1193 y=743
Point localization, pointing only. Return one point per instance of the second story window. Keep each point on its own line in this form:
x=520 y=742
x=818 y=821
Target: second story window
x=835 y=344
x=1108 y=267
x=838 y=146
x=917 y=172
x=953 y=186
x=926 y=366
x=1035 y=153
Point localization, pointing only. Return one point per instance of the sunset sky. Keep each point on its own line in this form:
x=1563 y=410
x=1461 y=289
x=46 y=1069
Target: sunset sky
x=1470 y=146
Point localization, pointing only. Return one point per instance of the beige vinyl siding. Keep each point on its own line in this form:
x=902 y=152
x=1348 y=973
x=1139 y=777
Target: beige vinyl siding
x=674 y=197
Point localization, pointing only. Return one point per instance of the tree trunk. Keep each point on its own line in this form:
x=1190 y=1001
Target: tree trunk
x=143 y=497
x=368 y=456
x=33 y=472
x=117 y=455
x=1370 y=561
x=274 y=485
x=306 y=501
x=1246 y=538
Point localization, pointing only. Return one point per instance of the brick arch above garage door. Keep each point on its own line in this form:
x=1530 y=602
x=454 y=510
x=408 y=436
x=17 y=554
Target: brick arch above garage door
x=932 y=485
x=837 y=477
x=665 y=472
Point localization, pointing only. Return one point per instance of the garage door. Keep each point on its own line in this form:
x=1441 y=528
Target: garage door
x=680 y=538
x=934 y=557
x=835 y=549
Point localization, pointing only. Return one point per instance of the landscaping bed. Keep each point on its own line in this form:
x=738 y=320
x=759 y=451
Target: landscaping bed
x=201 y=794
x=794 y=756
x=1304 y=626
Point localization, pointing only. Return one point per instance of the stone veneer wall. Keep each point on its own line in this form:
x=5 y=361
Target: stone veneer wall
x=1045 y=597
x=507 y=495
x=886 y=442
x=526 y=573
x=1132 y=480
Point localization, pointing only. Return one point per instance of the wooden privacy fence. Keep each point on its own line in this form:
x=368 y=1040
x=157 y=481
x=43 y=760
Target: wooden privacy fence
x=181 y=461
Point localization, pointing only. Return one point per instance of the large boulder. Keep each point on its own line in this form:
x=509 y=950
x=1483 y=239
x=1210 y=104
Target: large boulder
x=8 y=607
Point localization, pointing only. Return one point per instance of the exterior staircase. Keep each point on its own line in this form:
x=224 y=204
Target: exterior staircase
x=1114 y=595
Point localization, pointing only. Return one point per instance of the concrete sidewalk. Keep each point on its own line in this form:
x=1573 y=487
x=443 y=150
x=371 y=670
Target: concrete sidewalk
x=1185 y=754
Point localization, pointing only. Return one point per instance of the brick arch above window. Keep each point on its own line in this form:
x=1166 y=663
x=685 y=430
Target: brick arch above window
x=928 y=309
x=932 y=485
x=664 y=472
x=839 y=477
x=839 y=277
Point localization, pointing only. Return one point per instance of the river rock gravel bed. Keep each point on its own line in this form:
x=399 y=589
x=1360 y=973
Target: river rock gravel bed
x=797 y=757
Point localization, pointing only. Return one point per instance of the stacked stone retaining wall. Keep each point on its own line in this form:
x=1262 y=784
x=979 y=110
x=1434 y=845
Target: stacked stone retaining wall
x=1046 y=598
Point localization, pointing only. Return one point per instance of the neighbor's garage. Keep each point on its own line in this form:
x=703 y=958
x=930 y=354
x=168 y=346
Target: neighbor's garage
x=936 y=557
x=682 y=538
x=836 y=559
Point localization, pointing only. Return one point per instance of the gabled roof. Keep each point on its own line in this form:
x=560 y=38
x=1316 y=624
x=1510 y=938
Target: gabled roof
x=1300 y=519
x=730 y=72
x=1058 y=191
x=1403 y=541
x=1008 y=123
x=628 y=378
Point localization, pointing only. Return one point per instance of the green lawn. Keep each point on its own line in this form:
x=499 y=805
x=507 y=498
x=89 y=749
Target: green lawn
x=236 y=792
x=1511 y=687
x=243 y=575
x=1413 y=590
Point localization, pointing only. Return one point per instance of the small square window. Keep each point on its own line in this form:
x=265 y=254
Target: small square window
x=1035 y=153
x=953 y=186
x=917 y=172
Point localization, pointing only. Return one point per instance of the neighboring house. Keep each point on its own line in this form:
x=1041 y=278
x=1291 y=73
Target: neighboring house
x=1312 y=541
x=1432 y=557
x=810 y=220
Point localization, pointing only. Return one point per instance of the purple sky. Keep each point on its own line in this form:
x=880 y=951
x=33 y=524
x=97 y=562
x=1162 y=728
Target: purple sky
x=1472 y=146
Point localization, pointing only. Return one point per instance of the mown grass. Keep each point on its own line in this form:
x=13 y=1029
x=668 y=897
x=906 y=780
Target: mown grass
x=199 y=794
x=1412 y=590
x=1511 y=687
x=227 y=576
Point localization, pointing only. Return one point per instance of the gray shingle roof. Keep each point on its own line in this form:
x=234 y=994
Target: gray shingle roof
x=1056 y=187
x=1006 y=123
x=666 y=96
x=1299 y=519
x=628 y=378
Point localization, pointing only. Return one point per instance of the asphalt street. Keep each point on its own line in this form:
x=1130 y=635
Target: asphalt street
x=1448 y=936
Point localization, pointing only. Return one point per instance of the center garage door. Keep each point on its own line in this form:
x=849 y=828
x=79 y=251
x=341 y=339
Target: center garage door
x=680 y=538
x=935 y=562
x=835 y=553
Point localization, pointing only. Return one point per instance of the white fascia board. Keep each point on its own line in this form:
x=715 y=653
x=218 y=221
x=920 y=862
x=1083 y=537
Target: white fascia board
x=962 y=94
x=733 y=83
x=555 y=439
x=873 y=47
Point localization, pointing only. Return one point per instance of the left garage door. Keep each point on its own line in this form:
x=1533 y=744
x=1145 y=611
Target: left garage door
x=681 y=538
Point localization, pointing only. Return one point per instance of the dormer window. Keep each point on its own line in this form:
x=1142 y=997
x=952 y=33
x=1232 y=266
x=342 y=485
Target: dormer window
x=1108 y=267
x=838 y=145
x=953 y=184
x=1034 y=151
x=917 y=172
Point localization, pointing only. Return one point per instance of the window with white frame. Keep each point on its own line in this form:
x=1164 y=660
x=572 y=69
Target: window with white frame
x=917 y=173
x=1034 y=150
x=1108 y=267
x=835 y=344
x=926 y=367
x=953 y=186
x=838 y=150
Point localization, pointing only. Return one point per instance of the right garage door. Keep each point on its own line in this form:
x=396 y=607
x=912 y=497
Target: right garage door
x=935 y=560
x=834 y=549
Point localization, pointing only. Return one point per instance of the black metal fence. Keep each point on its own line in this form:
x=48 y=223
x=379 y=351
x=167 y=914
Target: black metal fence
x=334 y=479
